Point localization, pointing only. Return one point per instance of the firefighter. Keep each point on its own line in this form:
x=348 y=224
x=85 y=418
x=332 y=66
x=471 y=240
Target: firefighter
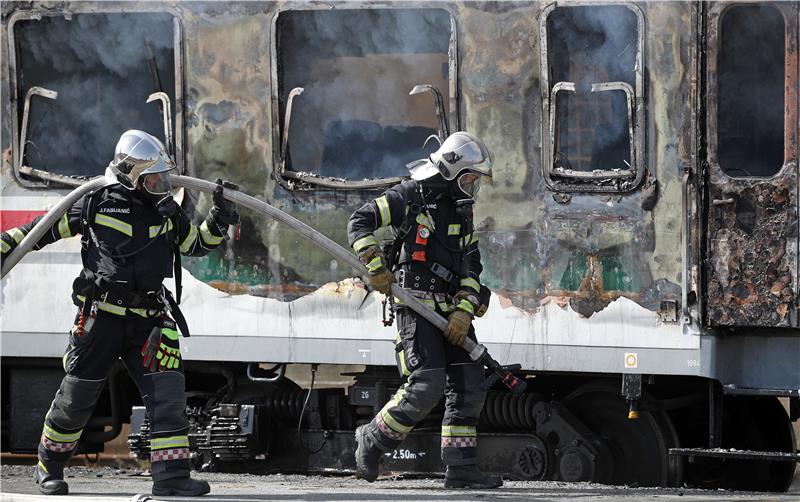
x=435 y=256
x=133 y=234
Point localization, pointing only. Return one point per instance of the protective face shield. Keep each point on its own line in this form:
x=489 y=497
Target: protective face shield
x=469 y=183
x=158 y=189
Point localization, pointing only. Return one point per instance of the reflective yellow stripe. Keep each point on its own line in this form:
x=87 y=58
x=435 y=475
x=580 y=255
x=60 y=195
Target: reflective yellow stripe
x=383 y=207
x=423 y=220
x=364 y=242
x=402 y=358
x=169 y=442
x=375 y=264
x=208 y=237
x=469 y=282
x=466 y=306
x=459 y=431
x=43 y=467
x=469 y=240
x=54 y=435
x=190 y=239
x=63 y=227
x=394 y=424
x=398 y=396
x=4 y=246
x=111 y=222
x=454 y=229
x=445 y=307
x=112 y=309
x=154 y=229
x=16 y=234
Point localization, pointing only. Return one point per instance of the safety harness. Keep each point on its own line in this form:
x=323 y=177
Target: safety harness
x=89 y=288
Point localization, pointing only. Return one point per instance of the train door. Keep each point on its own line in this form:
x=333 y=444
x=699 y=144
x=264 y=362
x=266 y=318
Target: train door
x=751 y=130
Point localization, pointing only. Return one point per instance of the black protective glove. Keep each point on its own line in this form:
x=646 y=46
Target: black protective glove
x=224 y=210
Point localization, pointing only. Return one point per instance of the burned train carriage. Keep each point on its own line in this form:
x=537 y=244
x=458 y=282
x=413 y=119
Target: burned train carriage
x=639 y=233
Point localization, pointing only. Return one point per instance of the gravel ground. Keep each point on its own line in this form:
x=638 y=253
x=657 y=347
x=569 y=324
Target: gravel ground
x=113 y=484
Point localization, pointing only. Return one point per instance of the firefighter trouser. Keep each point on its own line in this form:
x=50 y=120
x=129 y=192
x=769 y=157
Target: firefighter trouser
x=434 y=368
x=88 y=360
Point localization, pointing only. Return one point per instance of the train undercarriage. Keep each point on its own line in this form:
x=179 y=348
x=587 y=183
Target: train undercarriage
x=567 y=427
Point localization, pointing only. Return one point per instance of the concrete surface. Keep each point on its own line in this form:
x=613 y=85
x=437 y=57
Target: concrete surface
x=117 y=485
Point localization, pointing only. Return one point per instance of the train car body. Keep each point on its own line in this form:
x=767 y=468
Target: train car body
x=640 y=231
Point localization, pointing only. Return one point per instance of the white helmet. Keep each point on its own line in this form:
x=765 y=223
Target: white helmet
x=462 y=156
x=141 y=155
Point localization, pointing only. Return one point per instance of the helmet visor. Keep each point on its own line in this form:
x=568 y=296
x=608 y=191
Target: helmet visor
x=474 y=156
x=157 y=183
x=469 y=183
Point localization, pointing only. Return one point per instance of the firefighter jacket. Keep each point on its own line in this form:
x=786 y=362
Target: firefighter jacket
x=439 y=259
x=130 y=243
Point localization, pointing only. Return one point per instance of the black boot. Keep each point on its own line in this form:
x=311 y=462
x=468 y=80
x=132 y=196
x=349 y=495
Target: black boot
x=185 y=487
x=468 y=476
x=368 y=454
x=51 y=481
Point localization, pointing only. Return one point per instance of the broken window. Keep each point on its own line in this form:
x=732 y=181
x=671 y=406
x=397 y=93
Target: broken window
x=103 y=67
x=355 y=119
x=750 y=109
x=592 y=62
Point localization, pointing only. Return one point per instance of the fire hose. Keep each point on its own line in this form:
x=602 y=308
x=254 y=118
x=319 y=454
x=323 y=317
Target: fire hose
x=477 y=352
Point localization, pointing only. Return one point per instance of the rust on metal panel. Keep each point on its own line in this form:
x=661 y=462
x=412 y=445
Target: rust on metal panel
x=585 y=250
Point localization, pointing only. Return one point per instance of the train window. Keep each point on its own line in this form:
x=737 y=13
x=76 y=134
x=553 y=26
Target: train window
x=592 y=67
x=355 y=121
x=750 y=104
x=98 y=69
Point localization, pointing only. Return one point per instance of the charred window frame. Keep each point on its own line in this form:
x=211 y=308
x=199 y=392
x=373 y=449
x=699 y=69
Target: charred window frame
x=27 y=112
x=620 y=96
x=442 y=109
x=750 y=70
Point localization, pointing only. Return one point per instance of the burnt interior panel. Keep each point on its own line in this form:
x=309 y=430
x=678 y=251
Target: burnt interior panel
x=356 y=119
x=591 y=45
x=592 y=131
x=103 y=66
x=751 y=91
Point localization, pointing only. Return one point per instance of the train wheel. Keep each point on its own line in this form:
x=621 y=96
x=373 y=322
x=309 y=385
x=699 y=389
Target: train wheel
x=639 y=448
x=748 y=423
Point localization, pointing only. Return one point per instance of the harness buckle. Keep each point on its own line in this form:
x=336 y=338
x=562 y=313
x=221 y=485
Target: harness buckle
x=442 y=272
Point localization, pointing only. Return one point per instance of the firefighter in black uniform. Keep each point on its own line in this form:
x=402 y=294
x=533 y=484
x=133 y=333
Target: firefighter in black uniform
x=133 y=234
x=439 y=262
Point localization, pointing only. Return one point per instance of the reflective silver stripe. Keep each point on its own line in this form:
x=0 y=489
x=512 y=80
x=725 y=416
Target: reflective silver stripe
x=54 y=435
x=459 y=430
x=466 y=306
x=469 y=282
x=169 y=442
x=208 y=237
x=469 y=240
x=383 y=207
x=423 y=220
x=16 y=234
x=375 y=264
x=454 y=229
x=154 y=229
x=111 y=222
x=364 y=242
x=63 y=227
x=112 y=309
x=188 y=242
x=4 y=246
